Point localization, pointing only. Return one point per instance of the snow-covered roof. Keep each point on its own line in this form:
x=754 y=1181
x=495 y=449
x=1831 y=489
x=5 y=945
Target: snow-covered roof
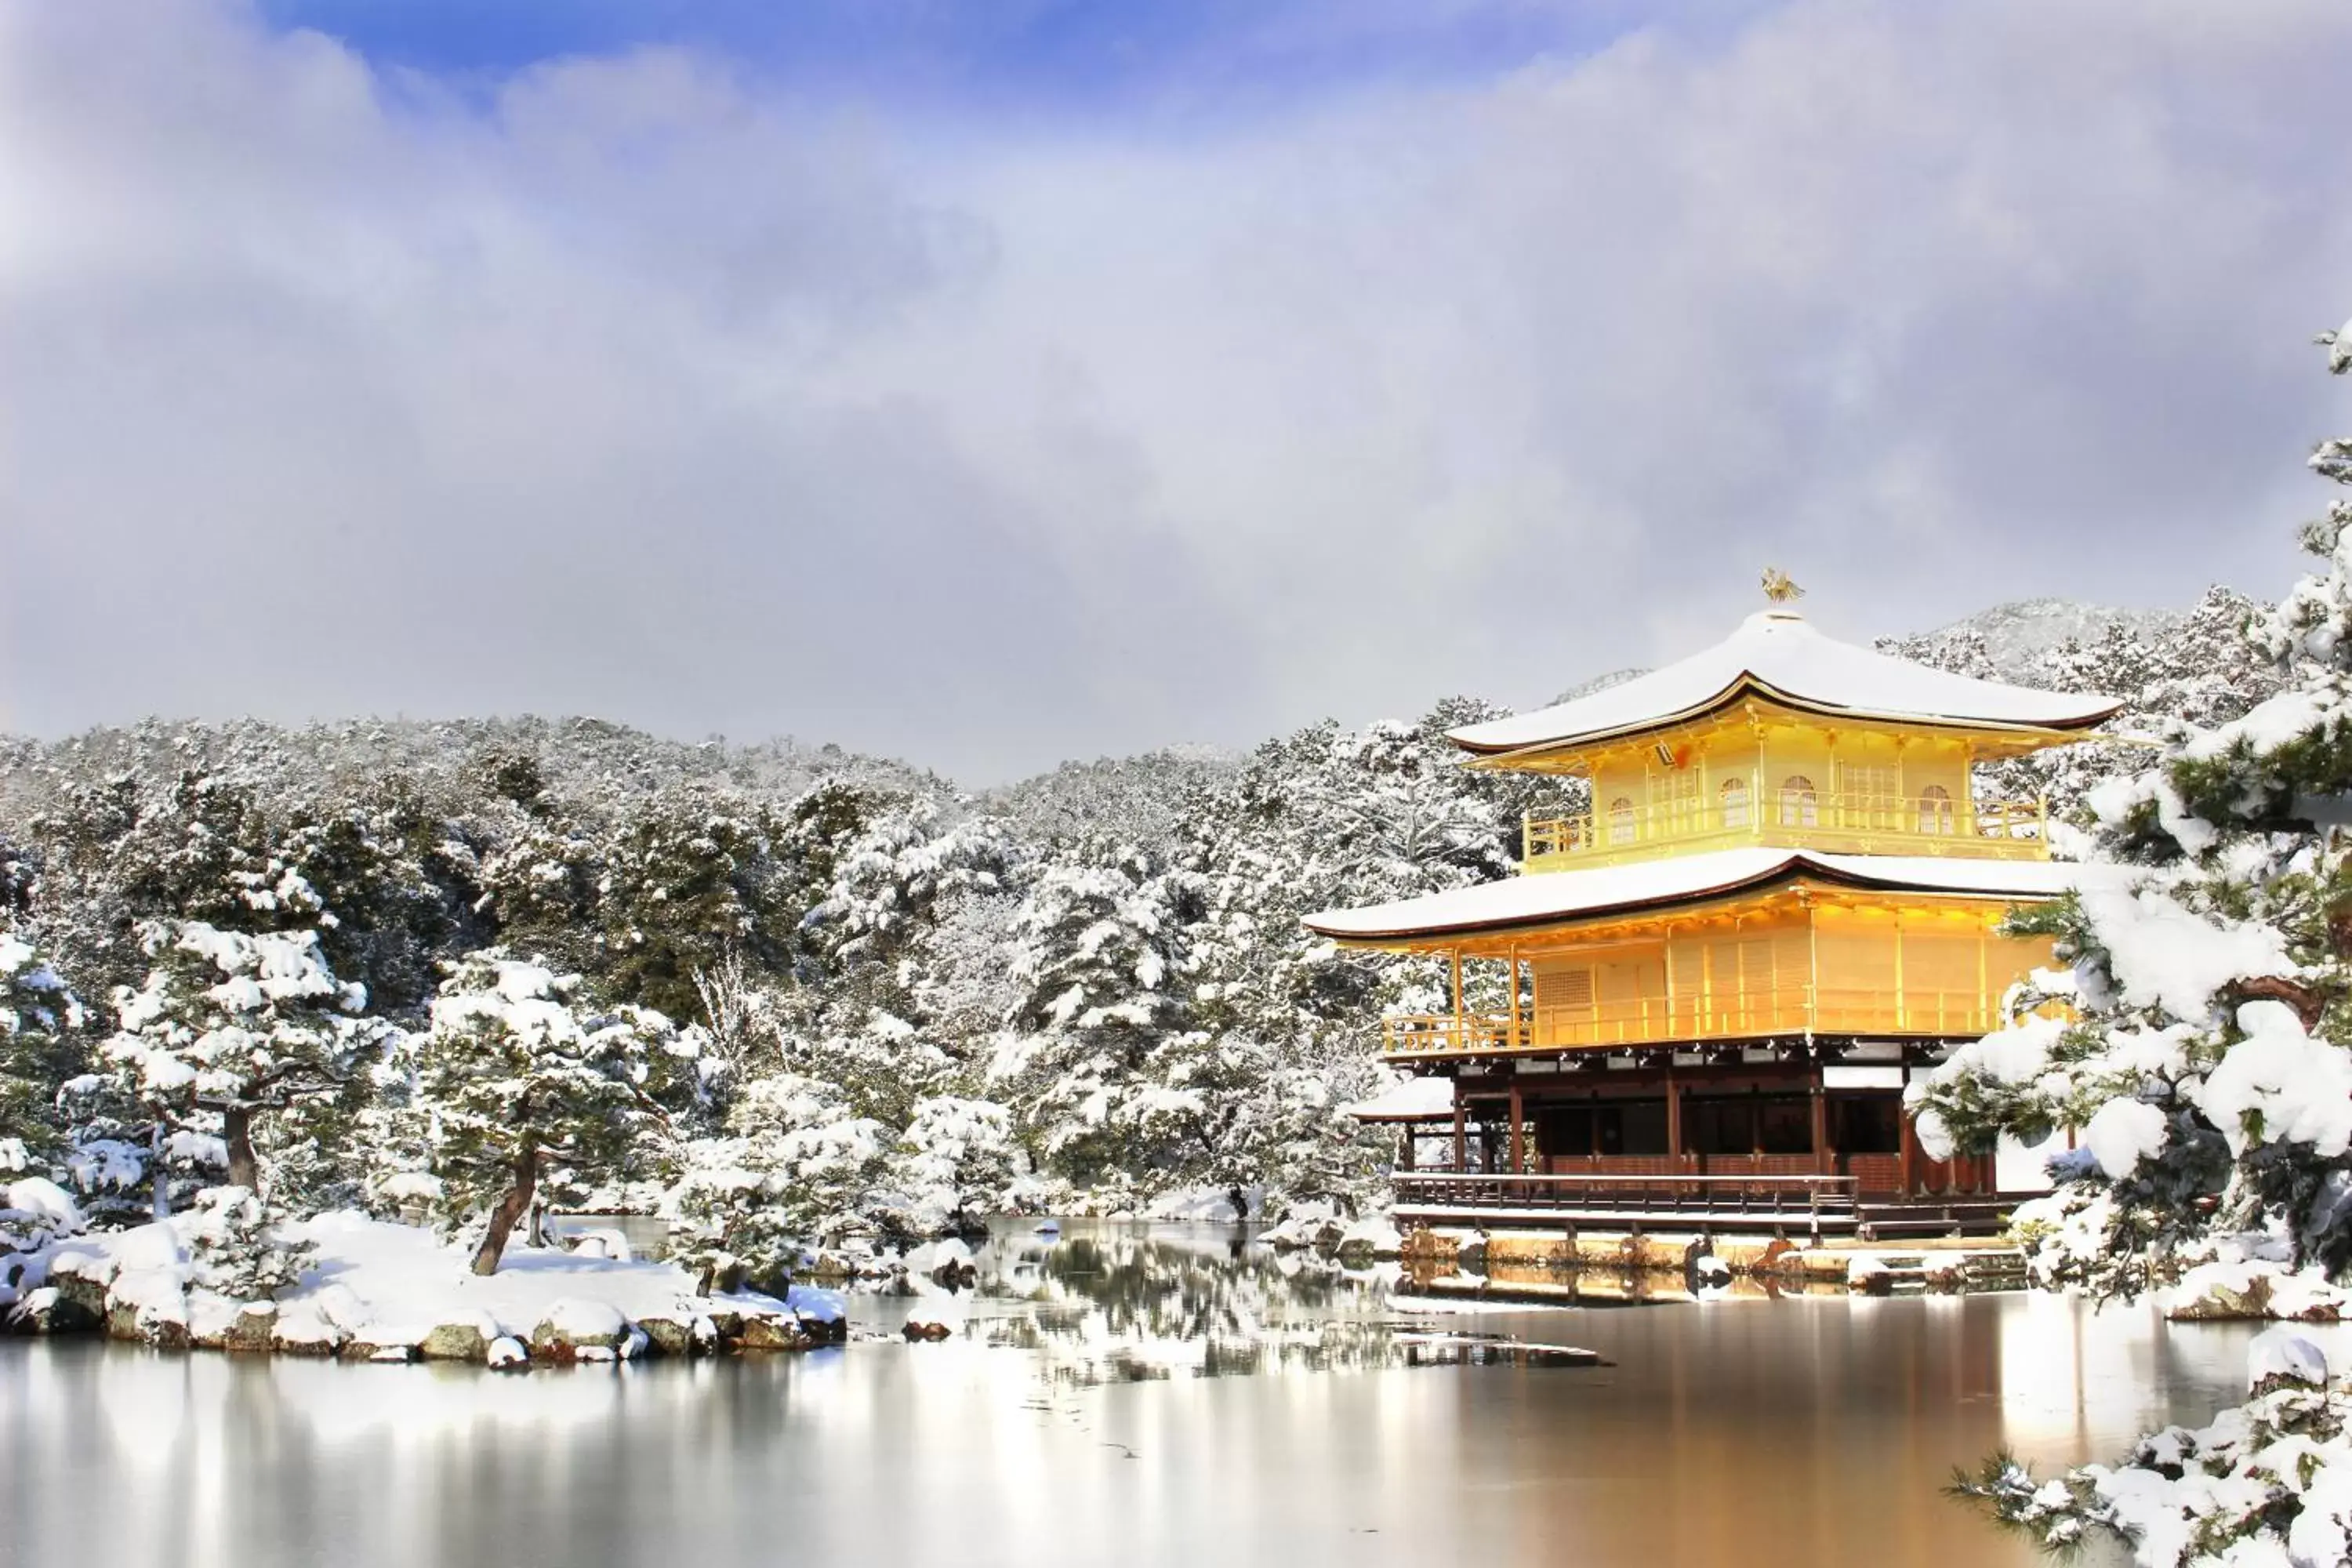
x=1547 y=897
x=1414 y=1099
x=1777 y=653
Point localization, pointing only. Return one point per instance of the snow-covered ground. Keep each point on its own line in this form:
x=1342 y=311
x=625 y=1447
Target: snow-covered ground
x=381 y=1292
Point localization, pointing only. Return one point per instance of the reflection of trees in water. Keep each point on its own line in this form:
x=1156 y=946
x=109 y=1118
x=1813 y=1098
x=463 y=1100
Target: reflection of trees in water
x=1126 y=1303
x=1137 y=1283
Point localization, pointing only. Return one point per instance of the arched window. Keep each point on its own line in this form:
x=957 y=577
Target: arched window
x=1935 y=809
x=1735 y=803
x=1621 y=820
x=1798 y=806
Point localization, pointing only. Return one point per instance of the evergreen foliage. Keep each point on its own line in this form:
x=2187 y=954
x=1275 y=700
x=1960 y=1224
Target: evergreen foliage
x=2207 y=1072
x=41 y=1022
x=229 y=1026
x=237 y=1249
x=531 y=1098
x=905 y=1003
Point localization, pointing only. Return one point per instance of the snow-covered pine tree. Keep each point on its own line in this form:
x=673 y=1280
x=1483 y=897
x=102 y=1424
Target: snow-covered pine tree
x=728 y=1225
x=828 y=1168
x=531 y=1094
x=40 y=1021
x=1103 y=966
x=690 y=884
x=229 y=1027
x=2207 y=1076
x=889 y=879
x=237 y=1246
x=956 y=1163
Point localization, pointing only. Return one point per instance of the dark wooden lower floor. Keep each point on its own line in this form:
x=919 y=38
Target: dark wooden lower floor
x=1754 y=1121
x=1796 y=1208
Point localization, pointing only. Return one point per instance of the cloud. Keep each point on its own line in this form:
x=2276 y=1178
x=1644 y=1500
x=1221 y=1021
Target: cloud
x=649 y=386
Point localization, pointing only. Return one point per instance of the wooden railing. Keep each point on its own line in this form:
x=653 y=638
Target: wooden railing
x=1786 y=1195
x=1425 y=1035
x=1827 y=819
x=1657 y=1020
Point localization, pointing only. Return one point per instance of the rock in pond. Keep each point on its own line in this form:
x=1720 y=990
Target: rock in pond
x=465 y=1339
x=576 y=1330
x=51 y=1310
x=770 y=1332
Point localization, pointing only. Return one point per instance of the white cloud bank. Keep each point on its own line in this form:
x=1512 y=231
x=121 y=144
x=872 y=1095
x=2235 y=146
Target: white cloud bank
x=637 y=387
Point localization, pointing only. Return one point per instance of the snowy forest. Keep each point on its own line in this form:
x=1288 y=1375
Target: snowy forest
x=788 y=998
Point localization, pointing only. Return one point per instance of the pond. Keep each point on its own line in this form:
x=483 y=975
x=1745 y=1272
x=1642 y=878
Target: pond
x=1077 y=1417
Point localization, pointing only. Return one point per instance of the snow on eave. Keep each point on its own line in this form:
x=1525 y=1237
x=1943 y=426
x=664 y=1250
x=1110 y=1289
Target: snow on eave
x=1778 y=656
x=1564 y=898
x=1414 y=1099
x=1747 y=686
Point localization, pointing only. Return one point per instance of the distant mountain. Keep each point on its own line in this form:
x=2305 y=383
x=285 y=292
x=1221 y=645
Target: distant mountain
x=1600 y=683
x=2017 y=635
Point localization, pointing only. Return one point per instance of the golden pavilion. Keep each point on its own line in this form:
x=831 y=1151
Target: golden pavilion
x=1784 y=899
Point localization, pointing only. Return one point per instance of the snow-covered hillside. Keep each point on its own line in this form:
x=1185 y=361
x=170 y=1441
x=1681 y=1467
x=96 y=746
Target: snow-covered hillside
x=2019 y=638
x=837 y=983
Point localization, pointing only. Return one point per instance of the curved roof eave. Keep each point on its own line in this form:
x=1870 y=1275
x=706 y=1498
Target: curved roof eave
x=1795 y=866
x=1749 y=684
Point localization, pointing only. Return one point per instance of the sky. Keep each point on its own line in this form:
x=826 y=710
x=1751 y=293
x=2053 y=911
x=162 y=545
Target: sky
x=998 y=383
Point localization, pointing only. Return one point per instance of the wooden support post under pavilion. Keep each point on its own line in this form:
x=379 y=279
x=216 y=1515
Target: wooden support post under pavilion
x=1824 y=1158
x=1460 y=1133
x=1459 y=1042
x=1519 y=1165
x=1673 y=1122
x=1908 y=1142
x=1516 y=1038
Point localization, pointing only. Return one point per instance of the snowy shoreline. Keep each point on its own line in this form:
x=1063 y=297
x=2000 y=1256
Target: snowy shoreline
x=379 y=1292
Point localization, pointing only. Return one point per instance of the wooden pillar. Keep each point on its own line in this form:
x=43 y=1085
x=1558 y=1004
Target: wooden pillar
x=1825 y=1161
x=1904 y=1159
x=1461 y=1130
x=1514 y=997
x=1404 y=1154
x=1456 y=956
x=1674 y=1121
x=1518 y=1113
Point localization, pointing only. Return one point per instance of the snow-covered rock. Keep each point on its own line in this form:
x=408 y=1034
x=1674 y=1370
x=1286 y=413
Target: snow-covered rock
x=580 y=1329
x=1370 y=1238
x=379 y=1290
x=2283 y=1354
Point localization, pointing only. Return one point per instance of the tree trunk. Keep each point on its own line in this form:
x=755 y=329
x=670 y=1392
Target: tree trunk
x=159 y=1178
x=512 y=1207
x=236 y=1131
x=2308 y=1001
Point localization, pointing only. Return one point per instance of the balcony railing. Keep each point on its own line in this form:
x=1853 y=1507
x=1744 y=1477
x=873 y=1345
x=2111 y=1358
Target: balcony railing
x=1733 y=1015
x=1806 y=1195
x=1827 y=819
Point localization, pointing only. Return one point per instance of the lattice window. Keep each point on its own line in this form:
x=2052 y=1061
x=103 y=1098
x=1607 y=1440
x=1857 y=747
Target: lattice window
x=1800 y=806
x=1674 y=798
x=1935 y=809
x=1869 y=795
x=1622 y=820
x=1734 y=798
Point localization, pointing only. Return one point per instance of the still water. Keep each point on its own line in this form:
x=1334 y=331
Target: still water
x=1079 y=1418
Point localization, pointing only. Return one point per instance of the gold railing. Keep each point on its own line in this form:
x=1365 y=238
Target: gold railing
x=1443 y=1034
x=1824 y=819
x=1659 y=1020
